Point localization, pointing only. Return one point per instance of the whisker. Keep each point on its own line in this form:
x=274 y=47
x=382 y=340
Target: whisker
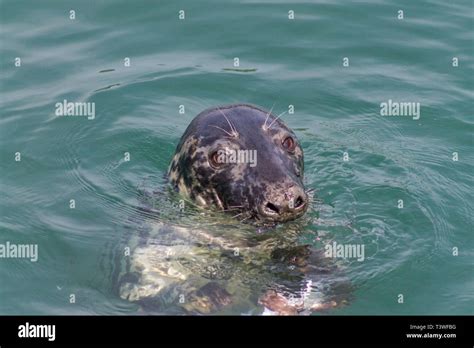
x=237 y=215
x=317 y=202
x=229 y=134
x=219 y=201
x=268 y=115
x=232 y=128
x=248 y=217
x=311 y=195
x=234 y=209
x=270 y=126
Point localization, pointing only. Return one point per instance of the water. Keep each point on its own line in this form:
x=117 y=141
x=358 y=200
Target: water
x=189 y=62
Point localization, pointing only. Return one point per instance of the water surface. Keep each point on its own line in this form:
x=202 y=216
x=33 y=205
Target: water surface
x=190 y=62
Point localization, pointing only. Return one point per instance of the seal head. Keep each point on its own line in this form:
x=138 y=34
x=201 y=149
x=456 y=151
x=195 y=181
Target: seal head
x=241 y=158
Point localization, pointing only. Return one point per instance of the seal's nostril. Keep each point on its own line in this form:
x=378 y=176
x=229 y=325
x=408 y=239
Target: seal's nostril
x=272 y=208
x=299 y=202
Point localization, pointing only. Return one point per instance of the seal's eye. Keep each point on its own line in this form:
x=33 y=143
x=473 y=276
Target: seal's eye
x=215 y=159
x=289 y=144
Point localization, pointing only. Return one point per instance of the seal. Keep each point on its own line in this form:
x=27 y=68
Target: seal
x=243 y=159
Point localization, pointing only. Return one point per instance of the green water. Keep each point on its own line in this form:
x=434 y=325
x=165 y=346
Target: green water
x=190 y=62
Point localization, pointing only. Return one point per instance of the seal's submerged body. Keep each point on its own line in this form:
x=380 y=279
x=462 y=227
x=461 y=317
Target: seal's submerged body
x=244 y=161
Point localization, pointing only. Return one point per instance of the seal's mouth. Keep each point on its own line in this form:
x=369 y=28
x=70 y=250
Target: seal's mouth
x=284 y=204
x=271 y=209
x=270 y=212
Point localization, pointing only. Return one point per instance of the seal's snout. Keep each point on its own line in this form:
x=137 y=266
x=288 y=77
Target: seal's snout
x=284 y=205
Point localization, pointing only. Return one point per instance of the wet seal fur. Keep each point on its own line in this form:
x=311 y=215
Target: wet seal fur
x=270 y=190
x=198 y=270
